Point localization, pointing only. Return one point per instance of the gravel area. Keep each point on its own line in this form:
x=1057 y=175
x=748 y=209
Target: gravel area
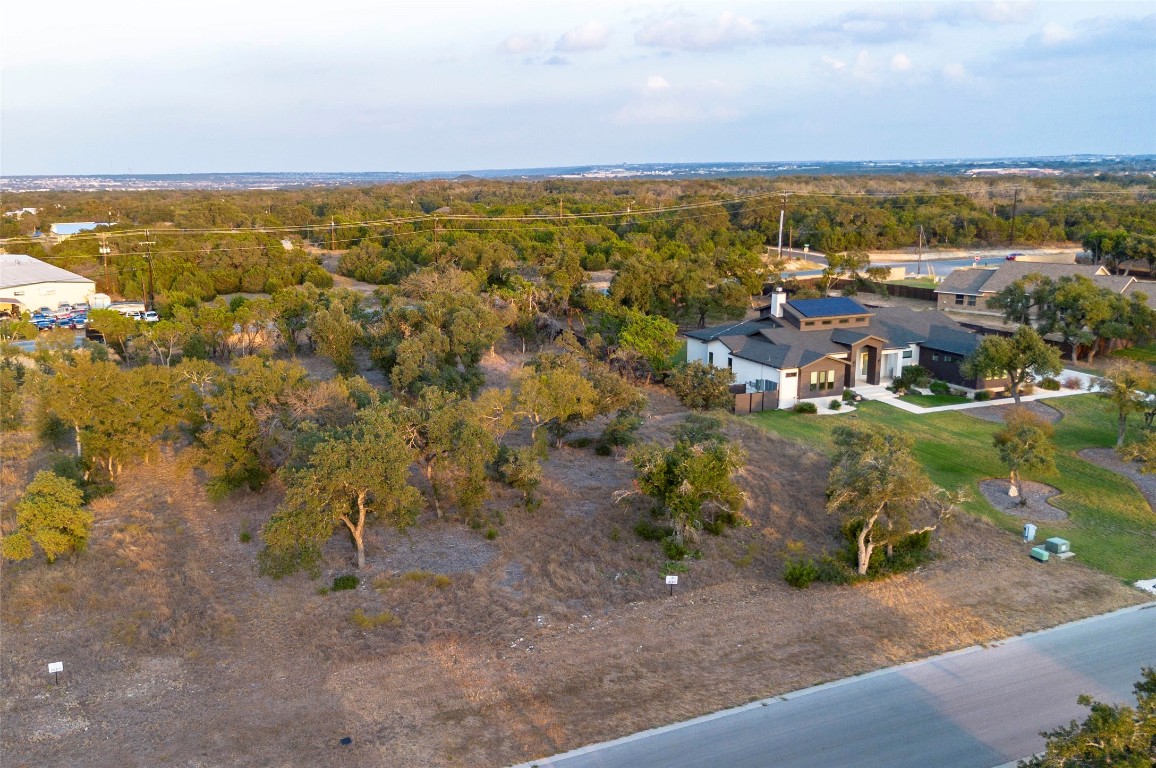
x=1107 y=458
x=998 y=413
x=1037 y=495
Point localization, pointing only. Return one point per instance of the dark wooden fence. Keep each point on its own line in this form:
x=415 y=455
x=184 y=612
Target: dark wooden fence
x=754 y=402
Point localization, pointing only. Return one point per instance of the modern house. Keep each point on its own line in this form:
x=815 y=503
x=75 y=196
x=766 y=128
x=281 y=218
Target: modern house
x=968 y=290
x=815 y=348
x=65 y=229
x=26 y=284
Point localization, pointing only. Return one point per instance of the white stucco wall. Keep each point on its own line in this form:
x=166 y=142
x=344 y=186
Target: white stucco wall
x=49 y=295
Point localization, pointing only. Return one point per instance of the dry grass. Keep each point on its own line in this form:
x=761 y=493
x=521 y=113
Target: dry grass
x=455 y=650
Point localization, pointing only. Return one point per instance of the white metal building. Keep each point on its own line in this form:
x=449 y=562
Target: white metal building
x=26 y=284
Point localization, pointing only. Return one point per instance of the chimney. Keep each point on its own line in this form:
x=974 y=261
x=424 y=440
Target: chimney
x=778 y=299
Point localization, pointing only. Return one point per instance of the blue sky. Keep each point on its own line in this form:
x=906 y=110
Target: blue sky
x=357 y=85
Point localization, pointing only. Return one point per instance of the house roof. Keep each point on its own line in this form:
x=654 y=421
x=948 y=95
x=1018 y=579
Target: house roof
x=779 y=344
x=978 y=280
x=1148 y=288
x=829 y=307
x=17 y=270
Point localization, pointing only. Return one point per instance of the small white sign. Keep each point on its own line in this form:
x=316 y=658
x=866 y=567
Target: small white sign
x=56 y=666
x=672 y=579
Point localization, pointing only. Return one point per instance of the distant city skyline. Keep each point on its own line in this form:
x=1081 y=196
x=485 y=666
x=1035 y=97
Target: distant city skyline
x=130 y=87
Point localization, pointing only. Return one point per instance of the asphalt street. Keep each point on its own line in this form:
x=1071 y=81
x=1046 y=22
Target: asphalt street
x=976 y=708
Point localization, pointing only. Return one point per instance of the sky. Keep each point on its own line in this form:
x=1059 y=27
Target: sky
x=362 y=85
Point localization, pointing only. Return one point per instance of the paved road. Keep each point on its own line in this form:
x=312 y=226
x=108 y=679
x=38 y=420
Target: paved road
x=973 y=709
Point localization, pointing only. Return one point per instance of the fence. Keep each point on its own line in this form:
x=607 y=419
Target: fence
x=753 y=402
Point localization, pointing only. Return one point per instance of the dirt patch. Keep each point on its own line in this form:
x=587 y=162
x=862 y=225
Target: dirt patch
x=557 y=633
x=1107 y=458
x=998 y=413
x=1036 y=495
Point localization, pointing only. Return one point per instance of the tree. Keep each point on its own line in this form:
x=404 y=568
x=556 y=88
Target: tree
x=1025 y=442
x=1024 y=355
x=50 y=514
x=1143 y=452
x=555 y=394
x=334 y=334
x=693 y=484
x=880 y=489
x=701 y=386
x=452 y=446
x=1122 y=385
x=116 y=329
x=1073 y=308
x=350 y=477
x=653 y=338
x=1116 y=736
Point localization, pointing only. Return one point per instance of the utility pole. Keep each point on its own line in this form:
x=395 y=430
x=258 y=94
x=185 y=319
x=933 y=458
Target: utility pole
x=148 y=244
x=919 y=264
x=104 y=252
x=1015 y=199
x=782 y=218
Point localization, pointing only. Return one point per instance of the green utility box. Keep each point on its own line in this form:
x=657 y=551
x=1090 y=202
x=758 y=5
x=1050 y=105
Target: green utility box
x=1039 y=553
x=1058 y=546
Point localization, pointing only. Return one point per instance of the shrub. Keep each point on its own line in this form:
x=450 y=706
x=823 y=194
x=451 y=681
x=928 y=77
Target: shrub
x=982 y=395
x=602 y=449
x=282 y=562
x=349 y=581
x=491 y=533
x=849 y=396
x=835 y=405
x=912 y=376
x=940 y=387
x=958 y=392
x=805 y=408
x=1050 y=384
x=700 y=386
x=831 y=570
x=650 y=532
x=246 y=537
x=697 y=428
x=620 y=430
x=1073 y=382
x=800 y=573
x=441 y=581
x=1027 y=388
x=674 y=550
x=580 y=442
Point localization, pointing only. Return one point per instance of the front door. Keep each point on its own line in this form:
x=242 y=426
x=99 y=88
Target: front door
x=864 y=365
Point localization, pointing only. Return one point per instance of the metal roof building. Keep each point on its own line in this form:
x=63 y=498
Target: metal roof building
x=28 y=284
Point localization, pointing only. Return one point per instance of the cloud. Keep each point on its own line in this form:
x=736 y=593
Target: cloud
x=955 y=72
x=555 y=61
x=521 y=45
x=691 y=34
x=900 y=62
x=657 y=83
x=591 y=36
x=835 y=64
x=1054 y=34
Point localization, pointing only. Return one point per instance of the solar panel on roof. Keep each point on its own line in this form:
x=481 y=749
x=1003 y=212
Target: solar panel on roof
x=830 y=307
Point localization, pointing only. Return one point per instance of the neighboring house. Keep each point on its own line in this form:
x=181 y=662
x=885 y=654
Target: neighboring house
x=815 y=348
x=26 y=284
x=968 y=290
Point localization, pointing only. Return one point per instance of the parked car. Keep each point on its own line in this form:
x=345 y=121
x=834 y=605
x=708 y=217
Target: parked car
x=44 y=323
x=1013 y=256
x=150 y=317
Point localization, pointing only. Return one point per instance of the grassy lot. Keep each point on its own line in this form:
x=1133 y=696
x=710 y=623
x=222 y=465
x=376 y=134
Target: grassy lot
x=933 y=401
x=1145 y=353
x=1110 y=526
x=914 y=282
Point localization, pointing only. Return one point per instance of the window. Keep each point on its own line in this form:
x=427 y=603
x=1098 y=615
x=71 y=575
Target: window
x=710 y=358
x=730 y=362
x=822 y=380
x=935 y=357
x=959 y=299
x=907 y=354
x=842 y=321
x=808 y=324
x=826 y=322
x=971 y=301
x=792 y=374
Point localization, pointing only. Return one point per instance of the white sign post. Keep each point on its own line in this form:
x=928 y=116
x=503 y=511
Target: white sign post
x=55 y=668
x=672 y=580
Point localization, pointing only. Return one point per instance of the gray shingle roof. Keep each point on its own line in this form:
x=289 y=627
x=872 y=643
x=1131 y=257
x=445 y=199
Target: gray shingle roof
x=977 y=280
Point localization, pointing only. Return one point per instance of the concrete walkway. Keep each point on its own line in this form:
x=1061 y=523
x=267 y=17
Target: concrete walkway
x=882 y=394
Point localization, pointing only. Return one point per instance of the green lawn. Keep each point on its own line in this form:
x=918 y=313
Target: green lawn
x=1145 y=353
x=914 y=282
x=933 y=401
x=1110 y=526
